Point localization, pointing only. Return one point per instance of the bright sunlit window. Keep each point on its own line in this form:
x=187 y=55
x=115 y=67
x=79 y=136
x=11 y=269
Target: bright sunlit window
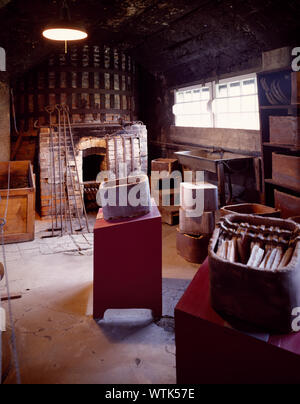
x=230 y=103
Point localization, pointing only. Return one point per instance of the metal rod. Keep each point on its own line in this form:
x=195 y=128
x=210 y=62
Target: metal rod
x=60 y=168
x=52 y=212
x=67 y=169
x=54 y=175
x=49 y=110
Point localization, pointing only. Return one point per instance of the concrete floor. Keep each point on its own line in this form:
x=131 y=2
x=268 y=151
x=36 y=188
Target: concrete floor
x=59 y=342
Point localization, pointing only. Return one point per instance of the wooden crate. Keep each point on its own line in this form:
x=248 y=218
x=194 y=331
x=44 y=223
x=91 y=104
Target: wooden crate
x=285 y=130
x=286 y=170
x=21 y=204
x=169 y=165
x=289 y=205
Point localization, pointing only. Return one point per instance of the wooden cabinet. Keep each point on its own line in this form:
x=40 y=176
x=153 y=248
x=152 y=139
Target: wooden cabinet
x=20 y=219
x=279 y=99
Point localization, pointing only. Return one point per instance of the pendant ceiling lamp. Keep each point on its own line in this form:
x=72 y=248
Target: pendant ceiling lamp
x=64 y=29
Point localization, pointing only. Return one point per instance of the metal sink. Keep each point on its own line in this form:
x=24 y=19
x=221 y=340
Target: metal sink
x=208 y=160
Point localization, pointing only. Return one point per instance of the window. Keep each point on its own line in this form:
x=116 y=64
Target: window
x=231 y=103
x=192 y=107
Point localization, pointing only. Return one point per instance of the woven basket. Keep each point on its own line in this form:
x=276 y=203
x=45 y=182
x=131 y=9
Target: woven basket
x=250 y=209
x=260 y=298
x=295 y=219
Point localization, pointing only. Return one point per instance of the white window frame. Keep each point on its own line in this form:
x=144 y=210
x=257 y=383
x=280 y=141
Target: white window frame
x=196 y=87
x=213 y=95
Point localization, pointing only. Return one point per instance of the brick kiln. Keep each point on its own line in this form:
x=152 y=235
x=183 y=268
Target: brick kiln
x=98 y=85
x=111 y=144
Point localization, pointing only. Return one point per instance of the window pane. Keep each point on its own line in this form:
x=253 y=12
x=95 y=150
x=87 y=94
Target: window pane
x=205 y=93
x=235 y=104
x=238 y=121
x=197 y=95
x=195 y=108
x=249 y=87
x=221 y=105
x=188 y=96
x=234 y=89
x=222 y=91
x=204 y=107
x=180 y=97
x=186 y=108
x=249 y=103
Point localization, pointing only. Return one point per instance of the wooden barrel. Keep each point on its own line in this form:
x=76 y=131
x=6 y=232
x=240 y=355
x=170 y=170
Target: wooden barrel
x=192 y=248
x=196 y=226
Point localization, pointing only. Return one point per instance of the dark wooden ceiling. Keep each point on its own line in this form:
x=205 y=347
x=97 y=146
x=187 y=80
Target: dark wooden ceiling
x=185 y=40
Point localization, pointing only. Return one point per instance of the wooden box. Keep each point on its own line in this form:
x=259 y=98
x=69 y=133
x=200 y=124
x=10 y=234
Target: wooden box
x=296 y=88
x=169 y=165
x=196 y=226
x=285 y=130
x=289 y=205
x=286 y=171
x=193 y=249
x=20 y=220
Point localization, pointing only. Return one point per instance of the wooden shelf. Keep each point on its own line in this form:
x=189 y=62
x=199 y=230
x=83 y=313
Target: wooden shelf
x=286 y=69
x=290 y=88
x=270 y=107
x=287 y=187
x=282 y=146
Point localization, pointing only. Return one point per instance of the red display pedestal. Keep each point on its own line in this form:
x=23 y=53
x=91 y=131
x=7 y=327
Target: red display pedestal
x=128 y=264
x=210 y=351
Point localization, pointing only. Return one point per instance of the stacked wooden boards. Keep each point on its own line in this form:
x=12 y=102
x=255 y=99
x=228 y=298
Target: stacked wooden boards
x=197 y=220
